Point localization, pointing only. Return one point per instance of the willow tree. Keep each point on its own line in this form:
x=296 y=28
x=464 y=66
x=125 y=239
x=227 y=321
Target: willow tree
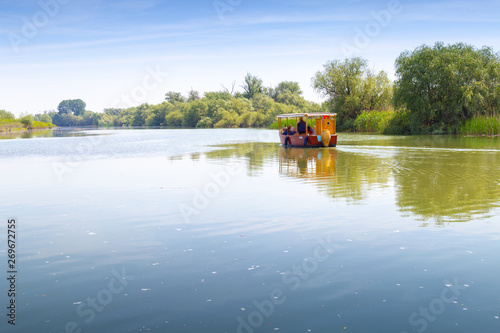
x=443 y=86
x=6 y=115
x=252 y=86
x=351 y=88
x=72 y=106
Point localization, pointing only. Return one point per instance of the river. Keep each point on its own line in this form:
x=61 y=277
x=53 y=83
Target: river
x=224 y=230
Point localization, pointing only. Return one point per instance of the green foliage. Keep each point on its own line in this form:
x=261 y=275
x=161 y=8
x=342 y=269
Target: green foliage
x=193 y=95
x=290 y=98
x=289 y=87
x=482 y=125
x=72 y=106
x=44 y=118
x=216 y=95
x=158 y=113
x=193 y=113
x=6 y=115
x=174 y=97
x=262 y=102
x=113 y=111
x=66 y=119
x=107 y=120
x=287 y=92
x=141 y=113
x=252 y=86
x=260 y=120
x=215 y=109
x=352 y=87
x=399 y=124
x=248 y=119
x=111 y=117
x=291 y=121
x=440 y=89
x=385 y=122
x=240 y=105
x=42 y=125
x=8 y=123
x=229 y=119
x=27 y=121
x=174 y=119
x=204 y=122
x=444 y=86
x=126 y=117
x=22 y=124
x=373 y=121
x=89 y=119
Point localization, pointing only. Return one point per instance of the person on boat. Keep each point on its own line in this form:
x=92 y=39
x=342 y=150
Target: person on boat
x=291 y=130
x=301 y=126
x=310 y=130
x=284 y=131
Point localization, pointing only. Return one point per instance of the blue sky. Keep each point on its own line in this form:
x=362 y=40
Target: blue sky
x=124 y=53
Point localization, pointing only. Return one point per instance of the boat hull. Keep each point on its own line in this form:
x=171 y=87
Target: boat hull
x=306 y=141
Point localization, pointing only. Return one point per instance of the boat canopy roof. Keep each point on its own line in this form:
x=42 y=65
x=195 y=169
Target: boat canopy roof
x=308 y=115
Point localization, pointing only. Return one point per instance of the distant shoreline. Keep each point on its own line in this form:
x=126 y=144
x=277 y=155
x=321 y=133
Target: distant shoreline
x=13 y=131
x=4 y=130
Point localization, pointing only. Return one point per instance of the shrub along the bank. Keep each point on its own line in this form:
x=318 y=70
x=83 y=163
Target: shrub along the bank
x=482 y=126
x=386 y=122
x=13 y=125
x=373 y=121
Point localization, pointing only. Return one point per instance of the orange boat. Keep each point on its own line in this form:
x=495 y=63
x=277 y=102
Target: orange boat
x=320 y=130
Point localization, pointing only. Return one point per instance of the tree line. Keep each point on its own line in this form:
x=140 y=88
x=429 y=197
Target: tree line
x=255 y=106
x=437 y=89
x=9 y=122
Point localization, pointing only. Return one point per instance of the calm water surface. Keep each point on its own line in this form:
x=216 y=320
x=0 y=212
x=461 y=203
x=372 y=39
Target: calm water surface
x=225 y=231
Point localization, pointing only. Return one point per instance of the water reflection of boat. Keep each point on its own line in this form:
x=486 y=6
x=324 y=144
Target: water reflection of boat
x=319 y=130
x=308 y=163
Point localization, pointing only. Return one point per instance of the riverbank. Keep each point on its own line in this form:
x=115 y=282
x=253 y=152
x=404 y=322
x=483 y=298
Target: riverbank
x=398 y=122
x=389 y=122
x=16 y=126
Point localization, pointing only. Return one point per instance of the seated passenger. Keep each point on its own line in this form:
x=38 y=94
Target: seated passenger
x=310 y=130
x=291 y=130
x=284 y=131
x=301 y=126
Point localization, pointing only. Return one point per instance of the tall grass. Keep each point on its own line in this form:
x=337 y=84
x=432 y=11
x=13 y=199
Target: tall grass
x=373 y=121
x=484 y=125
x=385 y=122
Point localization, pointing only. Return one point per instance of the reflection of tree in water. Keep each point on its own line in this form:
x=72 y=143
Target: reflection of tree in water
x=434 y=184
x=50 y=133
x=255 y=154
x=27 y=135
x=338 y=173
x=447 y=185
